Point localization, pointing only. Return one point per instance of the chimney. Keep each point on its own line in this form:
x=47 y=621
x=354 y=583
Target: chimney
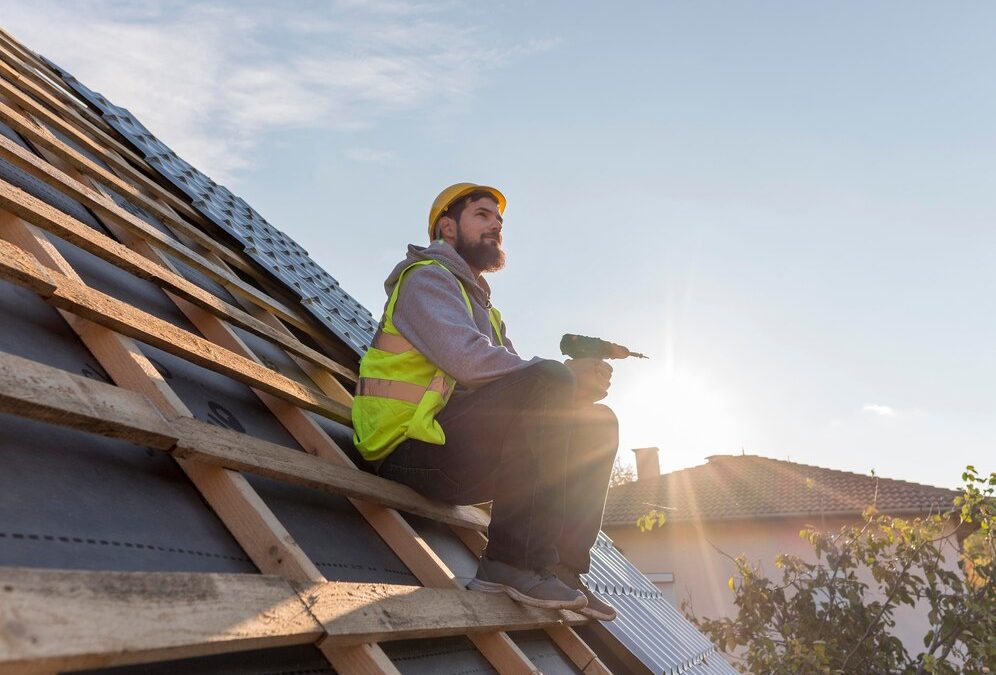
x=648 y=464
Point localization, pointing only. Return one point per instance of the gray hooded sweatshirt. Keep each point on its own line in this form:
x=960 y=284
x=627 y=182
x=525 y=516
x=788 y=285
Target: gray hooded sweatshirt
x=431 y=314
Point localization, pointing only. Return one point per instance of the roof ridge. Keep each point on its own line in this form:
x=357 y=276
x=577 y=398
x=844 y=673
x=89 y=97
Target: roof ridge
x=755 y=486
x=808 y=466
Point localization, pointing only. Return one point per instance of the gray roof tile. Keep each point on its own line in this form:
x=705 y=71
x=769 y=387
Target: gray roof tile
x=317 y=290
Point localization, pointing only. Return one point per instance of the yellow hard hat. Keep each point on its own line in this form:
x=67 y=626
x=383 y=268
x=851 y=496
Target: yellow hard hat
x=453 y=193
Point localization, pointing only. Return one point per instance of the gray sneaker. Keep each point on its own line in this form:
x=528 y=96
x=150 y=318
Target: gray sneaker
x=526 y=586
x=596 y=607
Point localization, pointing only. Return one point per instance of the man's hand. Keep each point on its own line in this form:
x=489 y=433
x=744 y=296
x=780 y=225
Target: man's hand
x=593 y=377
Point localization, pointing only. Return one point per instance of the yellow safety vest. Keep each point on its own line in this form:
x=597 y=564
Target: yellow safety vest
x=400 y=392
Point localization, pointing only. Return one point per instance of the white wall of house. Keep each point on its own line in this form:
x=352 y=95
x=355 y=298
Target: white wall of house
x=692 y=552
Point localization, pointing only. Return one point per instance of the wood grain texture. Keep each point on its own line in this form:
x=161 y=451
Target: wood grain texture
x=114 y=160
x=18 y=71
x=45 y=394
x=252 y=524
x=215 y=445
x=55 y=620
x=365 y=659
x=356 y=613
x=26 y=161
x=577 y=650
x=36 y=391
x=50 y=219
x=104 y=310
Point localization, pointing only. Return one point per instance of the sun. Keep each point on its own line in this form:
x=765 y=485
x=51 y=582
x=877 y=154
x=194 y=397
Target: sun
x=685 y=411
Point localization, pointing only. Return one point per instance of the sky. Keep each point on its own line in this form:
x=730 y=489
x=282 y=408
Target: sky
x=788 y=206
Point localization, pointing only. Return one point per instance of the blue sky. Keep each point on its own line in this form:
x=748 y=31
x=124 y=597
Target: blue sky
x=789 y=206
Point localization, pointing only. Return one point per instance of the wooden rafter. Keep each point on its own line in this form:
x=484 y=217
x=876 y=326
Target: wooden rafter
x=64 y=226
x=46 y=394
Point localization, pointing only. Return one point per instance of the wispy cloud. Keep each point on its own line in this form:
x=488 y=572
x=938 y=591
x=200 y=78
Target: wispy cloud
x=880 y=410
x=212 y=82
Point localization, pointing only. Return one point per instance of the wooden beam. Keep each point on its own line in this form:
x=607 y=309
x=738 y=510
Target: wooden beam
x=53 y=620
x=231 y=449
x=104 y=310
x=252 y=524
x=29 y=64
x=356 y=613
x=112 y=313
x=46 y=394
x=236 y=503
x=64 y=226
x=365 y=659
x=28 y=162
x=45 y=139
x=120 y=165
x=36 y=391
x=25 y=76
x=62 y=619
x=45 y=79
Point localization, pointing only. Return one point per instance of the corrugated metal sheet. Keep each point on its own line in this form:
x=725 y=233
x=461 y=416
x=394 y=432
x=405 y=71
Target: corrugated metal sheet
x=283 y=257
x=647 y=625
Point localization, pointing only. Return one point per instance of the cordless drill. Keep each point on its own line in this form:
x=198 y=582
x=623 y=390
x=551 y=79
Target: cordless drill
x=582 y=347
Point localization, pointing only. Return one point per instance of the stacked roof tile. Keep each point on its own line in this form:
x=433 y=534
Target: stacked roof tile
x=749 y=486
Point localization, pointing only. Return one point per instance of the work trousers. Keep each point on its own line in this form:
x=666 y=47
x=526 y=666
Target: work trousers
x=521 y=443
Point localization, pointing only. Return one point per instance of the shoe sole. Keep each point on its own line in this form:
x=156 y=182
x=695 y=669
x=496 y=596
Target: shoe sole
x=599 y=616
x=519 y=596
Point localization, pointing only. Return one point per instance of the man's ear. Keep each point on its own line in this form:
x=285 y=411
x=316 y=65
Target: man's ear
x=446 y=229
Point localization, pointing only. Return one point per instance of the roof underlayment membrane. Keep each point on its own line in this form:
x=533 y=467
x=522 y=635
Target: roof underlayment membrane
x=77 y=501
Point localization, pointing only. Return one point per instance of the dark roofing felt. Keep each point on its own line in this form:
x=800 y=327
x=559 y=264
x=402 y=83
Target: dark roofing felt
x=749 y=486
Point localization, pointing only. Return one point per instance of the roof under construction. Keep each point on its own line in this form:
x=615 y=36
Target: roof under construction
x=178 y=490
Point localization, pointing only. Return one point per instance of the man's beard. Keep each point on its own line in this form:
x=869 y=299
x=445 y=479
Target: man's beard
x=482 y=255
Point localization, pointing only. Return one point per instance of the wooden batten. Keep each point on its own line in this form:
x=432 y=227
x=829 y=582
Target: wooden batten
x=23 y=159
x=72 y=619
x=357 y=613
x=54 y=620
x=39 y=392
x=102 y=309
x=66 y=227
x=250 y=521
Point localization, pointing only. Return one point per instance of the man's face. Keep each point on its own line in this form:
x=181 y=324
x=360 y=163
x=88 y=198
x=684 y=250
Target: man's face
x=478 y=238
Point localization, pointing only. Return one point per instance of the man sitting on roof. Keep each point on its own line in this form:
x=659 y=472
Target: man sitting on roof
x=445 y=405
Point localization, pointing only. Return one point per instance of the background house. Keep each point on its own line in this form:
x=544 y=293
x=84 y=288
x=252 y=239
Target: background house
x=751 y=505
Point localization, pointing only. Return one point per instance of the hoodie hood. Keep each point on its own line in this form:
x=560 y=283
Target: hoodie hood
x=446 y=255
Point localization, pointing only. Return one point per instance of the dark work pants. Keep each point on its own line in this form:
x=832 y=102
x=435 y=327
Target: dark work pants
x=521 y=442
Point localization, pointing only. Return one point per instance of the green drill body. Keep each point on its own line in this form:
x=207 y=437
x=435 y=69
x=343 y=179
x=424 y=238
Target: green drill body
x=583 y=347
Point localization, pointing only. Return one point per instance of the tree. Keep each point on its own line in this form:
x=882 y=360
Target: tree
x=621 y=474
x=823 y=617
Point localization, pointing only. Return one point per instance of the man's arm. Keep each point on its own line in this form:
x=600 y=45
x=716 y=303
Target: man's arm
x=431 y=314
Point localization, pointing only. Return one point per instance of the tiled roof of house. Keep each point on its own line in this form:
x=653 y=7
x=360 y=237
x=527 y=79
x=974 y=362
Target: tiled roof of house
x=748 y=486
